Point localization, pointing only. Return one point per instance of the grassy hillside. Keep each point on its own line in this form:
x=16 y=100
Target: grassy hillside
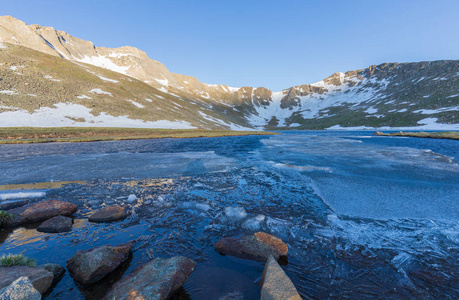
x=21 y=135
x=35 y=80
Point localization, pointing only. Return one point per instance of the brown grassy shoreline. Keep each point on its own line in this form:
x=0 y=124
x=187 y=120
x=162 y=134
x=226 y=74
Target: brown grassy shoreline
x=452 y=135
x=27 y=135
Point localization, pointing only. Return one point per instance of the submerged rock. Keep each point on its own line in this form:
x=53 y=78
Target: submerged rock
x=20 y=289
x=275 y=284
x=57 y=270
x=108 y=214
x=258 y=246
x=157 y=279
x=56 y=224
x=89 y=266
x=41 y=279
x=40 y=211
x=13 y=204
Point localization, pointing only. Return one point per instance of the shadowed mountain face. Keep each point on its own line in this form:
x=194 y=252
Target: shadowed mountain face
x=49 y=78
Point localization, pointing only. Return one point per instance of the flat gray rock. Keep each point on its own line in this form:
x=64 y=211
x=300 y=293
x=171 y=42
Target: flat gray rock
x=56 y=224
x=157 y=279
x=20 y=289
x=108 y=214
x=275 y=284
x=89 y=266
x=41 y=279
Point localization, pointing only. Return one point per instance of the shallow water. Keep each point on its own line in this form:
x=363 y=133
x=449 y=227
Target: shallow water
x=363 y=216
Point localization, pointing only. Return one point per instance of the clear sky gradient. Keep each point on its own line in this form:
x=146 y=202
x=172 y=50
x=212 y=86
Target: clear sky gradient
x=275 y=44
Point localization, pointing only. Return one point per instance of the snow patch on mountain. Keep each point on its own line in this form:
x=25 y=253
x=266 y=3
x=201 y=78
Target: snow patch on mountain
x=136 y=104
x=9 y=92
x=100 y=92
x=107 y=79
x=65 y=114
x=436 y=111
x=164 y=81
x=103 y=62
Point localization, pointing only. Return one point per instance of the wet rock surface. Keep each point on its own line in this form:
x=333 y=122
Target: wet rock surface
x=89 y=266
x=40 y=211
x=158 y=279
x=57 y=270
x=10 y=204
x=20 y=289
x=258 y=246
x=275 y=284
x=41 y=279
x=109 y=214
x=56 y=224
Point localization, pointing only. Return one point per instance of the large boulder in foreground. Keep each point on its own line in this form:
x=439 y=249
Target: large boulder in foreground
x=109 y=214
x=41 y=279
x=40 y=211
x=275 y=284
x=56 y=225
x=20 y=289
x=89 y=266
x=258 y=246
x=157 y=279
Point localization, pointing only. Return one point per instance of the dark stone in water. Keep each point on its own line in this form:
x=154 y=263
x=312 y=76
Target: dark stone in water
x=40 y=278
x=157 y=279
x=275 y=284
x=108 y=214
x=10 y=204
x=258 y=246
x=56 y=225
x=57 y=270
x=89 y=266
x=40 y=211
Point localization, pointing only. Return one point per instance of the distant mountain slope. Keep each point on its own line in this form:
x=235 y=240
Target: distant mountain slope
x=47 y=72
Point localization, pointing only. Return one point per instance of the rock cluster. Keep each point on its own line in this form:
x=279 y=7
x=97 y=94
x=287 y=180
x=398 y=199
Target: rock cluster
x=157 y=279
x=40 y=211
x=41 y=279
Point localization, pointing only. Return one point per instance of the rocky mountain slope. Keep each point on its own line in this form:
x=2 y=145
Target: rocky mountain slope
x=49 y=78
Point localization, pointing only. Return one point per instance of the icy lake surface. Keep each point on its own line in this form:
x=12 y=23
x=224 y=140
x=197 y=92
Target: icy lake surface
x=364 y=216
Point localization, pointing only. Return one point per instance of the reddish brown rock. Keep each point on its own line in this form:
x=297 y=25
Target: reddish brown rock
x=56 y=224
x=40 y=211
x=41 y=279
x=258 y=246
x=158 y=279
x=108 y=214
x=89 y=266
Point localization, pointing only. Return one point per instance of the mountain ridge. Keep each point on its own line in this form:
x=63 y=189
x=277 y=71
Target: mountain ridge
x=354 y=98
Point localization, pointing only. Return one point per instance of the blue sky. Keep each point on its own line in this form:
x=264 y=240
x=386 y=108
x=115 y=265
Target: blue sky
x=275 y=44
